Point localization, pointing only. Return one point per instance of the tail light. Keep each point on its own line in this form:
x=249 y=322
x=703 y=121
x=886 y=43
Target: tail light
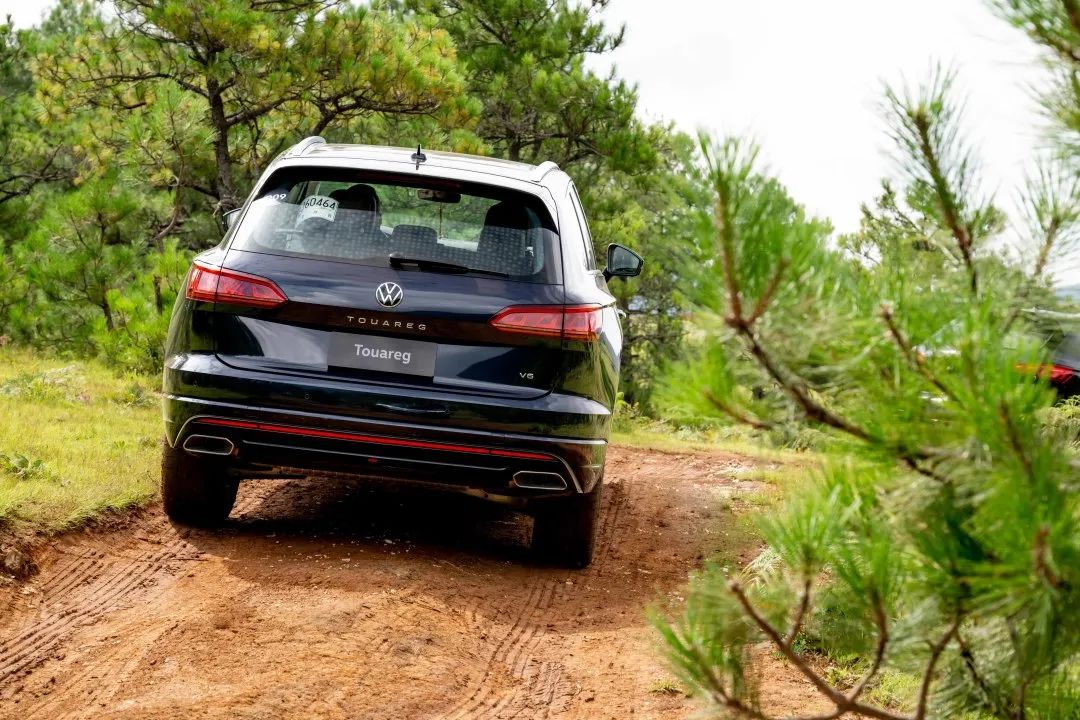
x=211 y=284
x=574 y=322
x=1054 y=373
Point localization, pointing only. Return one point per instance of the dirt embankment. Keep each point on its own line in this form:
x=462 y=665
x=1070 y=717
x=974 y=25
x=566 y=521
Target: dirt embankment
x=342 y=600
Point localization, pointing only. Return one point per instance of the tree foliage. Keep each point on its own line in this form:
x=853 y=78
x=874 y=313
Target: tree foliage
x=265 y=73
x=29 y=153
x=127 y=125
x=525 y=60
x=1054 y=25
x=944 y=543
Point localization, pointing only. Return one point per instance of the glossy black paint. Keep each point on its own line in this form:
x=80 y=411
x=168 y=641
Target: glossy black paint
x=1066 y=354
x=547 y=398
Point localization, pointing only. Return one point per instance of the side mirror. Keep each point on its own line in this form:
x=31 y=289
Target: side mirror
x=622 y=262
x=230 y=218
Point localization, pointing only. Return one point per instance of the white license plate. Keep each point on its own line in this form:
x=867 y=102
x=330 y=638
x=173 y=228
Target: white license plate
x=382 y=354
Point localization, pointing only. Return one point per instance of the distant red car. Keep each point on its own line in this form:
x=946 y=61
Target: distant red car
x=1062 y=369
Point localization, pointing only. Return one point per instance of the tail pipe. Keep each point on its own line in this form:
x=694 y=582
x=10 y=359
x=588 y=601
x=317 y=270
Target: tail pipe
x=209 y=445
x=533 y=480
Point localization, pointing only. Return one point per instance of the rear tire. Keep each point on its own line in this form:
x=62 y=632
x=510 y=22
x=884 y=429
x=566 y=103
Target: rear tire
x=565 y=531
x=195 y=491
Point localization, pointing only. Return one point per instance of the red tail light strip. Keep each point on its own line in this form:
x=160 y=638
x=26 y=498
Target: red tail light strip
x=213 y=284
x=373 y=439
x=572 y=322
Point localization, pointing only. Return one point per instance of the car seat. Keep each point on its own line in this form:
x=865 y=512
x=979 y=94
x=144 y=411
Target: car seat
x=504 y=240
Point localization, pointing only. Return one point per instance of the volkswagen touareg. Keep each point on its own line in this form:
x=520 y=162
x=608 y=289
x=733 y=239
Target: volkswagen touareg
x=401 y=314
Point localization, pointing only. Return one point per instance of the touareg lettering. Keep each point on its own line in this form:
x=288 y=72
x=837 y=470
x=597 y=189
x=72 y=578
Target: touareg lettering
x=402 y=357
x=388 y=324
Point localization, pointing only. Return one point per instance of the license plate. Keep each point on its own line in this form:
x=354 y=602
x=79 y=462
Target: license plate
x=382 y=354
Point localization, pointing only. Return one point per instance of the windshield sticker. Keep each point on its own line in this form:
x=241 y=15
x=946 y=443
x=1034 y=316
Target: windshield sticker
x=318 y=206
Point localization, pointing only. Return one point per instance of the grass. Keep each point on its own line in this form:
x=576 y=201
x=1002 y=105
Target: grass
x=76 y=441
x=891 y=689
x=639 y=432
x=666 y=686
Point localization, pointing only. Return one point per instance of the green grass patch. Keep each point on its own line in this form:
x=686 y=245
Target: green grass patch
x=76 y=440
x=667 y=437
x=667 y=686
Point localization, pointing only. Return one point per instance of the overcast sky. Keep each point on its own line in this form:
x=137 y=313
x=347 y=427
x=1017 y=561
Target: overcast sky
x=804 y=79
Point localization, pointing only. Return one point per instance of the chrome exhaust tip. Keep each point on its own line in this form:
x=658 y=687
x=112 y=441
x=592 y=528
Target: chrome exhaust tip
x=532 y=480
x=209 y=445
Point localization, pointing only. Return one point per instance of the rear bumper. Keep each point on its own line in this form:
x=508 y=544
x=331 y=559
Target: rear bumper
x=206 y=401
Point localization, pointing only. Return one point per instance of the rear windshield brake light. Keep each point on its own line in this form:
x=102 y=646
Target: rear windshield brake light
x=573 y=322
x=212 y=284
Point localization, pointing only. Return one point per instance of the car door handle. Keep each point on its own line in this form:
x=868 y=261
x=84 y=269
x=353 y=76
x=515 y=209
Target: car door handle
x=413 y=410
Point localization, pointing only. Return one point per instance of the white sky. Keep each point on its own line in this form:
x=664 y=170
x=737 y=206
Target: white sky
x=804 y=79
x=24 y=12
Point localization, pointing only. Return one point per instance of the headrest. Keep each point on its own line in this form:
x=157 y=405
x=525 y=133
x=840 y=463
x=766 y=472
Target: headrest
x=417 y=235
x=508 y=215
x=357 y=197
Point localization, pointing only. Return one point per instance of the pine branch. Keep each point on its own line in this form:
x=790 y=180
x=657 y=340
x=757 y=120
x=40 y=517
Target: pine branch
x=991 y=697
x=1072 y=11
x=911 y=355
x=727 y=246
x=767 y=296
x=800 y=613
x=936 y=649
x=946 y=199
x=1041 y=552
x=1015 y=442
x=882 y=624
x=737 y=414
x=816 y=412
x=843 y=703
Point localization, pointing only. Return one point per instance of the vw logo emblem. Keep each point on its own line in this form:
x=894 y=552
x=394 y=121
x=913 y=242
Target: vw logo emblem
x=389 y=294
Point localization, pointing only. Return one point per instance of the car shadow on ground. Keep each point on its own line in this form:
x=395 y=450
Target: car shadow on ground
x=378 y=514
x=362 y=537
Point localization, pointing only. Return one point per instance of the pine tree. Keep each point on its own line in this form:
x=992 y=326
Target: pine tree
x=525 y=60
x=941 y=539
x=265 y=73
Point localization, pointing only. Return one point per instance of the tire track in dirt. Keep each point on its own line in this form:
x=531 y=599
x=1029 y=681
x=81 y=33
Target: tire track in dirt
x=615 y=500
x=342 y=601
x=111 y=668
x=479 y=696
x=38 y=638
x=539 y=681
x=515 y=657
x=75 y=572
x=77 y=593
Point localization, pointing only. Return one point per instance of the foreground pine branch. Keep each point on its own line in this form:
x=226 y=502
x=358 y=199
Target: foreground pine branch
x=943 y=542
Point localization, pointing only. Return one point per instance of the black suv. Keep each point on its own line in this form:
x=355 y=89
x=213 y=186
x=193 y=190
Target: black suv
x=393 y=313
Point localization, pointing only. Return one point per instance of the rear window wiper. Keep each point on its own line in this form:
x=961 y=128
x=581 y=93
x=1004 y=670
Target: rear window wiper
x=427 y=265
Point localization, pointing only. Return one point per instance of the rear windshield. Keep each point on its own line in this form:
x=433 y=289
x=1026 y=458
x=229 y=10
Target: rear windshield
x=379 y=220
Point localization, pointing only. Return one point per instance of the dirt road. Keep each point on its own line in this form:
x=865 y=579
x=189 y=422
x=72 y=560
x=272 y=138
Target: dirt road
x=337 y=600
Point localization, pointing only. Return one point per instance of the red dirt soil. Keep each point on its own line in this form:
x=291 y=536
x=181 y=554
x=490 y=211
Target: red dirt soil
x=331 y=599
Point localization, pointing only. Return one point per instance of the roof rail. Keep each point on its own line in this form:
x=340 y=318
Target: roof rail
x=542 y=169
x=304 y=145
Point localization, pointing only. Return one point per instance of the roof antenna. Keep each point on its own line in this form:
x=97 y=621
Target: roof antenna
x=418 y=156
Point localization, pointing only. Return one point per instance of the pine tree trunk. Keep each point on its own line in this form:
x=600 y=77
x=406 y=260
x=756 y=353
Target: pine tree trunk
x=107 y=310
x=226 y=194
